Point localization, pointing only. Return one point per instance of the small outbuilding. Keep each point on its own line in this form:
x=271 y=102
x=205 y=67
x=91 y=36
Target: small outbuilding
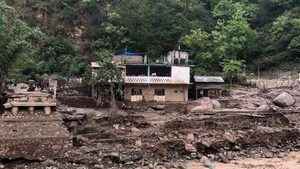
x=208 y=86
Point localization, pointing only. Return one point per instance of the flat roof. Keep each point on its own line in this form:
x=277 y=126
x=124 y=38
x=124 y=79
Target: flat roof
x=209 y=79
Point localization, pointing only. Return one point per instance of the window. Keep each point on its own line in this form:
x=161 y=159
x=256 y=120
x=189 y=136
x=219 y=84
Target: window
x=160 y=70
x=176 y=61
x=136 y=92
x=136 y=70
x=182 y=61
x=159 y=92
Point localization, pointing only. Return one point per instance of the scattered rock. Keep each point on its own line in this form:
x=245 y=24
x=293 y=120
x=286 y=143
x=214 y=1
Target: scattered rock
x=48 y=162
x=269 y=155
x=2 y=166
x=200 y=106
x=158 y=107
x=190 y=138
x=114 y=157
x=136 y=132
x=216 y=104
x=138 y=143
x=284 y=100
x=190 y=148
x=207 y=162
x=264 y=108
x=98 y=166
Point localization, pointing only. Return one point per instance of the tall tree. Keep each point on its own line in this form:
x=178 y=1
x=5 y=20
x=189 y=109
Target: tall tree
x=16 y=41
x=227 y=43
x=156 y=26
x=16 y=38
x=108 y=74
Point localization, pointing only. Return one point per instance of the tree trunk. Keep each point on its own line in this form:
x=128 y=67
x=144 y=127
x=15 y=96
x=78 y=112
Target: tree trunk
x=113 y=103
x=98 y=95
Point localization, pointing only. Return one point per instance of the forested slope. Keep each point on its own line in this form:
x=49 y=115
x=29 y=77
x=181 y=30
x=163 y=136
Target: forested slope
x=221 y=35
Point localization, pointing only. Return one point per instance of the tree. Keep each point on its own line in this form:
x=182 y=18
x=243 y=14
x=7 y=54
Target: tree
x=156 y=26
x=230 y=40
x=17 y=39
x=107 y=74
x=58 y=56
x=280 y=40
x=232 y=68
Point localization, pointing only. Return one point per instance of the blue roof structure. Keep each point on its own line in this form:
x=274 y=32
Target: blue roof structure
x=125 y=52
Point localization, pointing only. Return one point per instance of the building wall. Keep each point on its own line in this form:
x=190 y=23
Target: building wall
x=181 y=74
x=173 y=93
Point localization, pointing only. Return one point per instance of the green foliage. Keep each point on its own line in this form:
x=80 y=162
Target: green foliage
x=156 y=26
x=107 y=71
x=294 y=45
x=17 y=39
x=214 y=31
x=230 y=39
x=58 y=56
x=230 y=9
x=281 y=39
x=232 y=69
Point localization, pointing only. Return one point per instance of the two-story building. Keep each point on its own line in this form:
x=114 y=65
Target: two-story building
x=163 y=83
x=156 y=83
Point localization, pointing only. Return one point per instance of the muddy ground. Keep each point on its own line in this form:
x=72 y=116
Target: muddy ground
x=156 y=139
x=167 y=137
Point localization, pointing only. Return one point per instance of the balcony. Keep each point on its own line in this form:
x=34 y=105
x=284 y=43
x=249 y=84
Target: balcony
x=156 y=74
x=147 y=80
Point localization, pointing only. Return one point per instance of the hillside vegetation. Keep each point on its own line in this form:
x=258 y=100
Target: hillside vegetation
x=62 y=36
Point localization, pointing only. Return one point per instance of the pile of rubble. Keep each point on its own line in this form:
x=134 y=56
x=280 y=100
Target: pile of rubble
x=31 y=129
x=250 y=99
x=132 y=141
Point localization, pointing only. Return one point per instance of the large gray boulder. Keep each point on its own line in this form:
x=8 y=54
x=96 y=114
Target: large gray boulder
x=202 y=105
x=284 y=100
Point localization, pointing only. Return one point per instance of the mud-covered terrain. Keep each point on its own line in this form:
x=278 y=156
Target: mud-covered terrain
x=173 y=140
x=235 y=135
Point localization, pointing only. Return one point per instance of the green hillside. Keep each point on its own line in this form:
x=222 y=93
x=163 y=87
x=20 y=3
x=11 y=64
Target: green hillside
x=221 y=35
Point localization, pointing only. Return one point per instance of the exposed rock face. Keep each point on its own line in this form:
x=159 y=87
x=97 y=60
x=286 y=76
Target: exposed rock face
x=284 y=100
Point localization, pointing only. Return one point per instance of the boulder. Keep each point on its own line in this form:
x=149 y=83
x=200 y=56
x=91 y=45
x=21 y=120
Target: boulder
x=190 y=138
x=190 y=148
x=216 y=104
x=200 y=106
x=284 y=100
x=158 y=107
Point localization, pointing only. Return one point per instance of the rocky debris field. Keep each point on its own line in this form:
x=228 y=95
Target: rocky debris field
x=138 y=141
x=160 y=138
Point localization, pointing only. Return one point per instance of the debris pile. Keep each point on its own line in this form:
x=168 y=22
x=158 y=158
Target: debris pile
x=155 y=138
x=254 y=99
x=31 y=129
